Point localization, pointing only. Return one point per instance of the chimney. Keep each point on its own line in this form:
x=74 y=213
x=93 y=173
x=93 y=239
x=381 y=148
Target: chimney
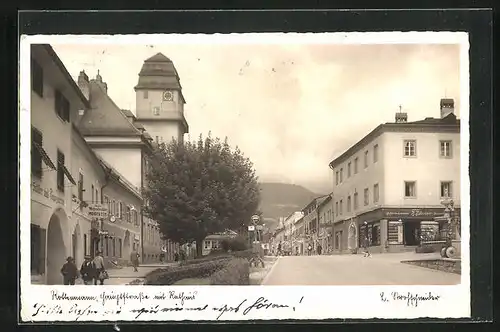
x=83 y=84
x=99 y=82
x=447 y=107
x=401 y=117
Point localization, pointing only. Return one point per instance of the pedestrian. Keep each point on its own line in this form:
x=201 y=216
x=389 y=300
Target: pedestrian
x=176 y=256
x=134 y=260
x=100 y=271
x=69 y=271
x=319 y=248
x=162 y=258
x=279 y=249
x=309 y=250
x=87 y=271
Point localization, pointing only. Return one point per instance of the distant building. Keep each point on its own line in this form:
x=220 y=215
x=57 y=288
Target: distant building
x=311 y=221
x=388 y=187
x=214 y=241
x=325 y=220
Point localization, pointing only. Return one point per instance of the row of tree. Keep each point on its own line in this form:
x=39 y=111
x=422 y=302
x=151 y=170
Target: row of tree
x=197 y=188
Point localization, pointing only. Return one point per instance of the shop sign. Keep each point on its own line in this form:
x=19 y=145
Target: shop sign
x=98 y=211
x=413 y=213
x=46 y=192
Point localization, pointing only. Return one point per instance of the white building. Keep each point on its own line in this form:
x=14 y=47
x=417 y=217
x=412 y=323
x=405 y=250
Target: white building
x=389 y=186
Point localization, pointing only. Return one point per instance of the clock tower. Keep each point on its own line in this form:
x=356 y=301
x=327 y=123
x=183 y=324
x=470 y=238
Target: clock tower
x=159 y=100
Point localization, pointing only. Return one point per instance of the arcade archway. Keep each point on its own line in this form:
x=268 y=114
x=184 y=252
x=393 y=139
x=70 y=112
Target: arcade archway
x=56 y=250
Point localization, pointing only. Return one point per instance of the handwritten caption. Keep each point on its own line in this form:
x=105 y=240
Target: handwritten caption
x=411 y=299
x=139 y=305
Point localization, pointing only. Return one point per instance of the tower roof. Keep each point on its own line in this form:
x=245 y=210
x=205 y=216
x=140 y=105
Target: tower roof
x=158 y=73
x=158 y=57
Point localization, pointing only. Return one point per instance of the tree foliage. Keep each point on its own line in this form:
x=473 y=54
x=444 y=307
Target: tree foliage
x=198 y=188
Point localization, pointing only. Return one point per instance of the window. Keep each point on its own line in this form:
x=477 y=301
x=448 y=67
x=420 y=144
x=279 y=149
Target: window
x=114 y=247
x=410 y=148
x=107 y=246
x=366 y=197
x=349 y=170
x=445 y=149
x=92 y=193
x=120 y=209
x=60 y=170
x=375 y=193
x=61 y=105
x=410 y=189
x=97 y=198
x=341 y=175
x=208 y=245
x=120 y=248
x=156 y=110
x=348 y=203
x=145 y=94
x=356 y=202
x=36 y=154
x=113 y=208
x=366 y=159
x=356 y=165
x=375 y=153
x=85 y=247
x=446 y=189
x=336 y=208
x=128 y=216
x=340 y=206
x=36 y=78
x=337 y=177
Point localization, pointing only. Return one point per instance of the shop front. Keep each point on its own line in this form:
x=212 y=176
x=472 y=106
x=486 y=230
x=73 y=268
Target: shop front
x=397 y=229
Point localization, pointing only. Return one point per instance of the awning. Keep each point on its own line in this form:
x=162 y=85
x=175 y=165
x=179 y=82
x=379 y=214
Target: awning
x=45 y=156
x=68 y=175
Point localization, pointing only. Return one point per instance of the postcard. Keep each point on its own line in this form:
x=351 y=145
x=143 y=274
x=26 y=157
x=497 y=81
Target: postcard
x=244 y=176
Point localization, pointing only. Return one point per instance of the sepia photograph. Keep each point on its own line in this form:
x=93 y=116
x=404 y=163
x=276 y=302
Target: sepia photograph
x=246 y=162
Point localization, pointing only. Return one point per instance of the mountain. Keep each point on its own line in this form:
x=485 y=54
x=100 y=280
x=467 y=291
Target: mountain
x=281 y=199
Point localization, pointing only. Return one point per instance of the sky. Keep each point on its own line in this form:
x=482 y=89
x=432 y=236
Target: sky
x=291 y=108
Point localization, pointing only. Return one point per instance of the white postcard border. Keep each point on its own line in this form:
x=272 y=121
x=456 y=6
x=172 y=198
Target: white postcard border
x=304 y=302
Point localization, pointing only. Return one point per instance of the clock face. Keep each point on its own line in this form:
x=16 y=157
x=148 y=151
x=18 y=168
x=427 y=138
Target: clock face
x=168 y=96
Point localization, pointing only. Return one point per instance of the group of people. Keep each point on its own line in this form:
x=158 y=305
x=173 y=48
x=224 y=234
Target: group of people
x=92 y=271
x=309 y=252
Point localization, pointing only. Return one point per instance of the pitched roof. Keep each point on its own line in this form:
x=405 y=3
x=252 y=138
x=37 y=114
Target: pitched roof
x=105 y=117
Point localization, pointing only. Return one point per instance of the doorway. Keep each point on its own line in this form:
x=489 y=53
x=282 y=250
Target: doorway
x=411 y=233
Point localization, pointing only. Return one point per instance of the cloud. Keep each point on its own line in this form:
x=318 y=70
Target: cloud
x=290 y=108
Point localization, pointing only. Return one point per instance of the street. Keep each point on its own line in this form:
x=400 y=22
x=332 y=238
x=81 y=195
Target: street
x=380 y=269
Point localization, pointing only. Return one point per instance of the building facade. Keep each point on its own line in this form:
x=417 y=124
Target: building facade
x=389 y=186
x=325 y=220
x=55 y=104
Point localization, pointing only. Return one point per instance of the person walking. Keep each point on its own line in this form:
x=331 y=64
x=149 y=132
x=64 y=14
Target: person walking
x=134 y=259
x=309 y=250
x=87 y=271
x=100 y=270
x=279 y=249
x=176 y=256
x=319 y=248
x=69 y=271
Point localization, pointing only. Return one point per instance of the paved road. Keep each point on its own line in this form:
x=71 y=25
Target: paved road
x=380 y=269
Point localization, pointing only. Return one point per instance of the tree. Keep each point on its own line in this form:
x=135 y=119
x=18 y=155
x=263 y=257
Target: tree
x=198 y=188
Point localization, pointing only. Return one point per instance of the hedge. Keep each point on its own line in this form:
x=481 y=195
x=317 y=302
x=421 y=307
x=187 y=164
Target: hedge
x=235 y=272
x=168 y=276
x=243 y=254
x=205 y=259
